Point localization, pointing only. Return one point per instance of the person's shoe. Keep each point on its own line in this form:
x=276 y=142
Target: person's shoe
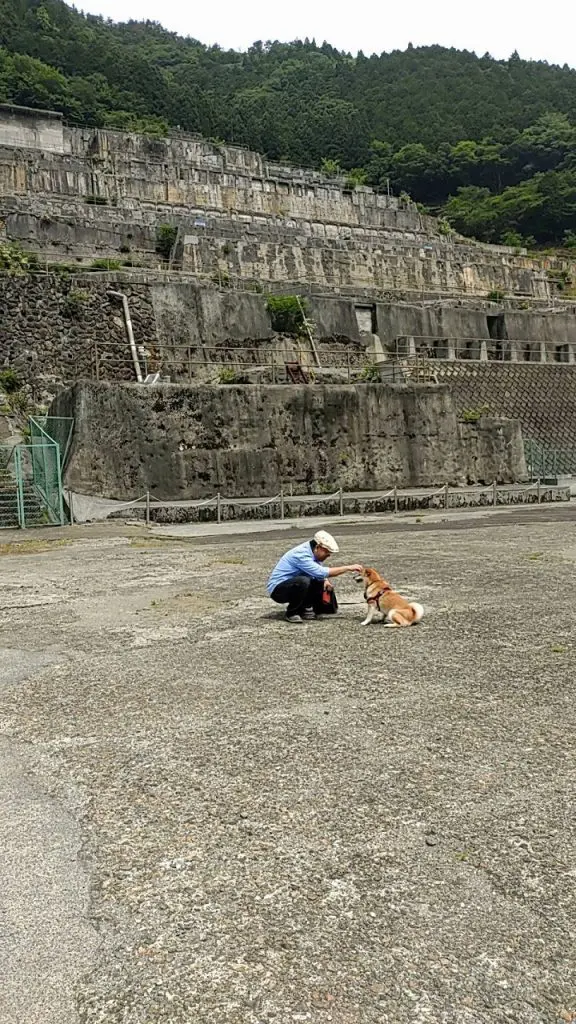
x=309 y=615
x=293 y=618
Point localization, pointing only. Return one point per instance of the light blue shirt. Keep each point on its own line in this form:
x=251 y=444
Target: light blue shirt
x=299 y=561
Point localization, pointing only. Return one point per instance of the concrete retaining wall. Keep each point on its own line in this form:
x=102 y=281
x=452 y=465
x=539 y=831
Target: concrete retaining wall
x=184 y=442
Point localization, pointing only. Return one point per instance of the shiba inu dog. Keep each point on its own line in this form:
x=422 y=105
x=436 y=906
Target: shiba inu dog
x=386 y=603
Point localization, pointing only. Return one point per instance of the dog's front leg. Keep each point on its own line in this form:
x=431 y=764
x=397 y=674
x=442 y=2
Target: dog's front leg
x=369 y=615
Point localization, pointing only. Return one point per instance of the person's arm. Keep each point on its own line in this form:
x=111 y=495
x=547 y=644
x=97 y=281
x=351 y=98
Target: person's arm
x=339 y=570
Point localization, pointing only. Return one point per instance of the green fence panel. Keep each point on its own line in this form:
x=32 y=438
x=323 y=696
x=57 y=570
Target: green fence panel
x=544 y=463
x=31 y=492
x=10 y=504
x=46 y=471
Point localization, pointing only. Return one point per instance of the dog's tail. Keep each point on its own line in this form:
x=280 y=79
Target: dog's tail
x=418 y=611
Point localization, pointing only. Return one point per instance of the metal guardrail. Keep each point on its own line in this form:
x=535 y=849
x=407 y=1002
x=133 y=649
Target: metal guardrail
x=446 y=349
x=111 y=361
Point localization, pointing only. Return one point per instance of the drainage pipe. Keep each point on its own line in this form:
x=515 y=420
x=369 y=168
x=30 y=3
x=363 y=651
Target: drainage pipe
x=129 y=332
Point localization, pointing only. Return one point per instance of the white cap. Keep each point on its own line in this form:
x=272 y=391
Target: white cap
x=326 y=540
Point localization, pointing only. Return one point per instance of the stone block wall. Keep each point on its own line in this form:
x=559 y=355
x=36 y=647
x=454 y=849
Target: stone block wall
x=350 y=263
x=182 y=442
x=76 y=193
x=49 y=327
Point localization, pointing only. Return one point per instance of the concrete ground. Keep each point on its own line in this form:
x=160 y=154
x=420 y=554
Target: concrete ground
x=212 y=816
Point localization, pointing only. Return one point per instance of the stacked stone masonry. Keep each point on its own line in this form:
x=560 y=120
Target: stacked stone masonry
x=77 y=193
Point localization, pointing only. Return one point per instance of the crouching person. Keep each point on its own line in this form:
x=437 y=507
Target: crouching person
x=300 y=580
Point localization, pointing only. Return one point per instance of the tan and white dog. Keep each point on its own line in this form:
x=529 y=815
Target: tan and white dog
x=387 y=603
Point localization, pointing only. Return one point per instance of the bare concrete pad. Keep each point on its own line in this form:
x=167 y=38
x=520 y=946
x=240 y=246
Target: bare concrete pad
x=320 y=822
x=46 y=942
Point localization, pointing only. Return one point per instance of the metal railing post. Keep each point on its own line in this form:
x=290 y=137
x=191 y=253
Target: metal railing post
x=218 y=508
x=59 y=482
x=495 y=493
x=446 y=495
x=341 y=501
x=147 y=508
x=539 y=490
x=281 y=503
x=96 y=361
x=19 y=488
x=395 y=499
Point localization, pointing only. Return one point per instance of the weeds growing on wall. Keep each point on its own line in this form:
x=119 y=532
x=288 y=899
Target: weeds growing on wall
x=370 y=374
x=13 y=259
x=166 y=235
x=226 y=375
x=287 y=313
x=473 y=415
x=104 y=264
x=74 y=303
x=9 y=381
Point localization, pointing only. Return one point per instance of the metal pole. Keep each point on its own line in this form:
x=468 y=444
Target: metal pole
x=147 y=508
x=446 y=495
x=281 y=503
x=494 y=493
x=218 y=508
x=395 y=498
x=59 y=479
x=96 y=361
x=71 y=507
x=19 y=489
x=341 y=497
x=539 y=491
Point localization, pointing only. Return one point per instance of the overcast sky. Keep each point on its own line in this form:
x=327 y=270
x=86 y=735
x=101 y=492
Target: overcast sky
x=538 y=31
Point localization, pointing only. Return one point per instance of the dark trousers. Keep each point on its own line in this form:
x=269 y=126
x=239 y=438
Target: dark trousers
x=299 y=593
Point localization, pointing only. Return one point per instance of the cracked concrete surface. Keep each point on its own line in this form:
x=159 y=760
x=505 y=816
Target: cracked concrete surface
x=46 y=940
x=312 y=823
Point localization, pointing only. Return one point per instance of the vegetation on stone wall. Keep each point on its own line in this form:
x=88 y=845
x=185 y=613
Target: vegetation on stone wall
x=491 y=144
x=9 y=381
x=287 y=313
x=13 y=260
x=166 y=235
